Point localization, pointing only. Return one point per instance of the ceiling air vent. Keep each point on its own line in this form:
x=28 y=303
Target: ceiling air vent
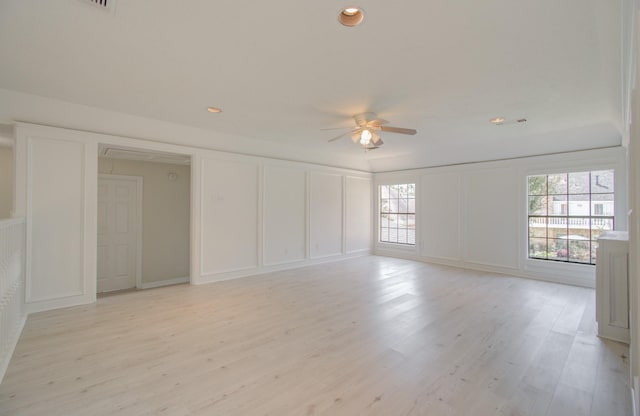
x=125 y=153
x=106 y=5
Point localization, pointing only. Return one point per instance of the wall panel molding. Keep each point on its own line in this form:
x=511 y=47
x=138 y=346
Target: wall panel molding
x=229 y=216
x=58 y=172
x=487 y=203
x=284 y=215
x=357 y=217
x=327 y=215
x=208 y=232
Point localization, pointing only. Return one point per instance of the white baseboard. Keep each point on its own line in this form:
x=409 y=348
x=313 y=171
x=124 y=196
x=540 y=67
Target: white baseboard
x=65 y=302
x=7 y=358
x=547 y=276
x=253 y=271
x=168 y=282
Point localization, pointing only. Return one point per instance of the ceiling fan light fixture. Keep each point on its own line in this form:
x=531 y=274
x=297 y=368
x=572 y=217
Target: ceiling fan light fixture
x=365 y=137
x=351 y=16
x=365 y=134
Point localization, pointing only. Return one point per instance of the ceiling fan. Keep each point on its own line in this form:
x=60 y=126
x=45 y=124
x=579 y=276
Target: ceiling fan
x=365 y=133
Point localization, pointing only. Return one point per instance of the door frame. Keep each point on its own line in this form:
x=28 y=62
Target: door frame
x=138 y=230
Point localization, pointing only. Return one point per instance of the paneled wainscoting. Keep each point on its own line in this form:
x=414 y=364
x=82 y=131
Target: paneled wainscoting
x=12 y=278
x=371 y=335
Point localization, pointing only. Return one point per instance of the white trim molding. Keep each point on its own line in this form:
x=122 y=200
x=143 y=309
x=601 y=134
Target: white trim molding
x=161 y=283
x=499 y=245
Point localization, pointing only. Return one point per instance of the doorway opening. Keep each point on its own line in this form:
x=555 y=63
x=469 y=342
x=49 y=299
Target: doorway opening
x=143 y=219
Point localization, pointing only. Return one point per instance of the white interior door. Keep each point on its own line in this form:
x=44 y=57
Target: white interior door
x=118 y=232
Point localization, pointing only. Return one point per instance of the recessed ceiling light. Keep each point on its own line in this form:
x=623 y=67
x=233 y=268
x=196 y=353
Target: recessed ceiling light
x=214 y=110
x=351 y=16
x=497 y=120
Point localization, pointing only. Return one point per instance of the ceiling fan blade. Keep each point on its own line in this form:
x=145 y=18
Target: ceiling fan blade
x=377 y=122
x=375 y=139
x=362 y=119
x=355 y=136
x=337 y=128
x=339 y=137
x=379 y=143
x=399 y=130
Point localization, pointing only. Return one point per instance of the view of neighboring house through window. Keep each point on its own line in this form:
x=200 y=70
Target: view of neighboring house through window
x=567 y=213
x=398 y=214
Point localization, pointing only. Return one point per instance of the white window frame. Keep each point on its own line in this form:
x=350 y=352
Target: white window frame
x=565 y=213
x=397 y=213
x=401 y=250
x=574 y=272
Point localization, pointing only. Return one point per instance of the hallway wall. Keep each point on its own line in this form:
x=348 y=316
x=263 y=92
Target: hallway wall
x=165 y=216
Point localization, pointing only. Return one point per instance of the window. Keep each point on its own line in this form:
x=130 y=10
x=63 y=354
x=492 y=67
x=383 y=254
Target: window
x=598 y=209
x=398 y=214
x=567 y=213
x=563 y=209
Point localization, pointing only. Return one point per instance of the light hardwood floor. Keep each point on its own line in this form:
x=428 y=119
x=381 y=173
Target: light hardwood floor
x=371 y=336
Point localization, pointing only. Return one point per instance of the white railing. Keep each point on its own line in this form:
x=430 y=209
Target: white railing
x=572 y=222
x=12 y=279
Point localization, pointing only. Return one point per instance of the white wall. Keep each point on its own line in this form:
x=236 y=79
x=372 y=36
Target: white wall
x=440 y=219
x=257 y=215
x=326 y=215
x=56 y=190
x=634 y=247
x=6 y=181
x=475 y=215
x=491 y=216
x=229 y=216
x=358 y=210
x=249 y=215
x=165 y=216
x=633 y=158
x=285 y=199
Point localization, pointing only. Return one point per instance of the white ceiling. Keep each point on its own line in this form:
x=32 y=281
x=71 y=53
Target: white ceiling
x=283 y=70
